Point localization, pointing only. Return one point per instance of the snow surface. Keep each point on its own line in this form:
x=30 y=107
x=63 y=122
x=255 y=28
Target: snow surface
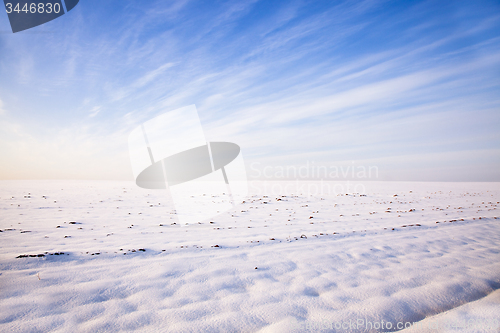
x=294 y=257
x=479 y=316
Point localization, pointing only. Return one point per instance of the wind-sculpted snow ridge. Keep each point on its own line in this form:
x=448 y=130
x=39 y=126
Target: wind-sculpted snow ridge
x=108 y=256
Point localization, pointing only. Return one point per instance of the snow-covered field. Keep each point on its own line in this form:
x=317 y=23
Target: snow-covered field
x=85 y=256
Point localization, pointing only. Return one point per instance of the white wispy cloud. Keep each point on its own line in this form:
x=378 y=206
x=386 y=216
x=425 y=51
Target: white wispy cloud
x=290 y=84
x=94 y=111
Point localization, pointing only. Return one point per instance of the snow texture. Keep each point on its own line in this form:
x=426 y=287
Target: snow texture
x=82 y=256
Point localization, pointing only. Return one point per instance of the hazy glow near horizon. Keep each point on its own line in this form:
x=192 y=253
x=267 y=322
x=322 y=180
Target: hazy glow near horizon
x=412 y=89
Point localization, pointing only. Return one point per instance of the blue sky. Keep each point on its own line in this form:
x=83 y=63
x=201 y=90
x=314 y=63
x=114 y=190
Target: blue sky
x=411 y=87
